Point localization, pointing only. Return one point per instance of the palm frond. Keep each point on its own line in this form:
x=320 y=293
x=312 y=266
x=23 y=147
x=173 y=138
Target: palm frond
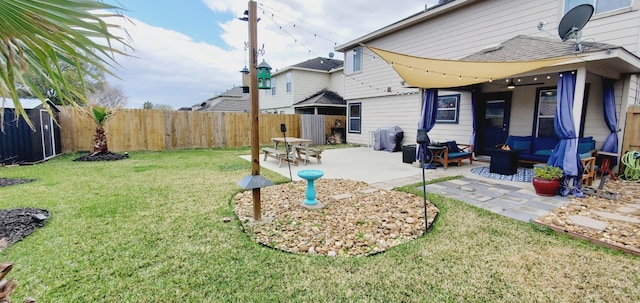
x=42 y=35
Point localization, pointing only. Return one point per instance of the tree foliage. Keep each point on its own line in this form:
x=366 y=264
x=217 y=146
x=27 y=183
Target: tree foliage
x=58 y=42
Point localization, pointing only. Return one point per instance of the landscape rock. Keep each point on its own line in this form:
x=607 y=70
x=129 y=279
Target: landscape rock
x=362 y=222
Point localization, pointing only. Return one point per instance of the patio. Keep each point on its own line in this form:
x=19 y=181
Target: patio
x=517 y=200
x=385 y=170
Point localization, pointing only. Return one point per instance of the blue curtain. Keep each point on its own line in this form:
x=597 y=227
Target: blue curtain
x=565 y=154
x=428 y=117
x=610 y=117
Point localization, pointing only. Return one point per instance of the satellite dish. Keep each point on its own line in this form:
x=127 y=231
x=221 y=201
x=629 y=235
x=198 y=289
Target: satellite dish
x=574 y=20
x=330 y=55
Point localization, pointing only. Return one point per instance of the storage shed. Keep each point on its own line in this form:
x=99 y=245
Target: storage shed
x=21 y=144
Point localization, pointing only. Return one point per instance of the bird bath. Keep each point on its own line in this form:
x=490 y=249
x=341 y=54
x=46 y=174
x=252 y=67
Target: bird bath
x=311 y=175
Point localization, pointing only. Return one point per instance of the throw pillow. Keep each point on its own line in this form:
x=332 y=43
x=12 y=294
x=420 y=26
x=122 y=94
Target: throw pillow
x=585 y=147
x=453 y=146
x=543 y=152
x=521 y=145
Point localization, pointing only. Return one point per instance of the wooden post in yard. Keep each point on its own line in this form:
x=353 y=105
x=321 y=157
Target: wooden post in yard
x=253 y=90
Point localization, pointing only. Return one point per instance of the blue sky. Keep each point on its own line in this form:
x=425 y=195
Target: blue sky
x=190 y=50
x=190 y=17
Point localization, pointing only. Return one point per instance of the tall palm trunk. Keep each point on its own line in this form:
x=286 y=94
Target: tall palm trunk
x=100 y=141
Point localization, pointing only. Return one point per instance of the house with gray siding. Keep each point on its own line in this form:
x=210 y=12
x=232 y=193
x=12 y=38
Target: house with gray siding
x=295 y=89
x=494 y=30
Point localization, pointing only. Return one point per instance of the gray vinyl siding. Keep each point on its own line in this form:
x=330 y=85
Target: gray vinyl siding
x=375 y=114
x=474 y=26
x=281 y=100
x=336 y=82
x=480 y=25
x=404 y=111
x=306 y=83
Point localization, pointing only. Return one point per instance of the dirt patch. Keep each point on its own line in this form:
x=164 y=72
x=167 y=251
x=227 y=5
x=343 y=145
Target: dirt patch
x=14 y=181
x=356 y=220
x=108 y=156
x=16 y=224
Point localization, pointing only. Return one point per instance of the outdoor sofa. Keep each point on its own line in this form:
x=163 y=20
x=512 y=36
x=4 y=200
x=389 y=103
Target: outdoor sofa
x=539 y=149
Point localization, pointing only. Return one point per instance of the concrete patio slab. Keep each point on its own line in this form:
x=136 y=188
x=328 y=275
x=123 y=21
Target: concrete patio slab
x=386 y=170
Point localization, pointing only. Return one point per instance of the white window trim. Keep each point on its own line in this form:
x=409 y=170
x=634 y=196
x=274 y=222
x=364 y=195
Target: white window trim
x=597 y=14
x=359 y=118
x=289 y=86
x=350 y=59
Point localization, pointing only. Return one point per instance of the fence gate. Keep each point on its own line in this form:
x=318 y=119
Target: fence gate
x=312 y=127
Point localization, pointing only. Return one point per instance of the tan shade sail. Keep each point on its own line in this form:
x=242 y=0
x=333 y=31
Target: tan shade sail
x=438 y=73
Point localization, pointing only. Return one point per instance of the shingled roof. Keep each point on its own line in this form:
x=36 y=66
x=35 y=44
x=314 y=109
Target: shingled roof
x=320 y=63
x=323 y=97
x=230 y=105
x=527 y=48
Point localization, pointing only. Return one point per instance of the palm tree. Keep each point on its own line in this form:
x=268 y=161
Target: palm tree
x=100 y=115
x=41 y=37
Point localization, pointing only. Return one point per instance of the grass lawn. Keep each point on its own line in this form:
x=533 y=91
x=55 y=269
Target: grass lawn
x=150 y=229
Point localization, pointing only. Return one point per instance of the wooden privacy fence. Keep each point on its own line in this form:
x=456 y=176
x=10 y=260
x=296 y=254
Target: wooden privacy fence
x=631 y=140
x=147 y=129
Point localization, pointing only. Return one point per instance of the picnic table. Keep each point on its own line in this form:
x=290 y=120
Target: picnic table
x=295 y=149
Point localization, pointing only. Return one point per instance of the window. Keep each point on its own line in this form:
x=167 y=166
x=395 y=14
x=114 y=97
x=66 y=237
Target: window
x=288 y=82
x=354 y=118
x=601 y=6
x=353 y=61
x=448 y=109
x=273 y=86
x=546 y=110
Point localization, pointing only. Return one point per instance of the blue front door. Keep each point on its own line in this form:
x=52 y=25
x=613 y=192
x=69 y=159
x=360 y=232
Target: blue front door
x=492 y=121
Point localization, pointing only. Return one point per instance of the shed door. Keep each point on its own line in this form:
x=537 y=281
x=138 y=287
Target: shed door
x=48 y=138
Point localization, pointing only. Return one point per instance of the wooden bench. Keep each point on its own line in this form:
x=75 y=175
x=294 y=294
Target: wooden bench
x=307 y=152
x=279 y=155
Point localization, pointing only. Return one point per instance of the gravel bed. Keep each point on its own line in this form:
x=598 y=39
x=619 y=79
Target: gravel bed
x=622 y=216
x=356 y=220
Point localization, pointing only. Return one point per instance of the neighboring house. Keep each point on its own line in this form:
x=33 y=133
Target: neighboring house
x=299 y=84
x=495 y=30
x=233 y=100
x=325 y=102
x=21 y=144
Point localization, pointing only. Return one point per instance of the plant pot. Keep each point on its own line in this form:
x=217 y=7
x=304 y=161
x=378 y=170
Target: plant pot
x=545 y=187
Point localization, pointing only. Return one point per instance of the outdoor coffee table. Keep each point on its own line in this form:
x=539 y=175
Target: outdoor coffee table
x=504 y=162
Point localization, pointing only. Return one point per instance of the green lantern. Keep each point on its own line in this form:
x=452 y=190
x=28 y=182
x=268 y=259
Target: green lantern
x=264 y=75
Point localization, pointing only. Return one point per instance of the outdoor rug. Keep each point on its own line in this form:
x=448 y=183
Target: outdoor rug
x=523 y=174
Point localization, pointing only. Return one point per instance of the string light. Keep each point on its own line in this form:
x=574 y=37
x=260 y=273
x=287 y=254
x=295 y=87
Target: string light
x=364 y=52
x=386 y=90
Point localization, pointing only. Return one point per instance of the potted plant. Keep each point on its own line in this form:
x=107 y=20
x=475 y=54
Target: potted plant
x=546 y=180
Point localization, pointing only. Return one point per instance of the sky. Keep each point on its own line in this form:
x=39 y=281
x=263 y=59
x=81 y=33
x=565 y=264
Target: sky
x=191 y=50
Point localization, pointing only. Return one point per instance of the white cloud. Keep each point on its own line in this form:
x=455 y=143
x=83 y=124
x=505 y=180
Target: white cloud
x=170 y=68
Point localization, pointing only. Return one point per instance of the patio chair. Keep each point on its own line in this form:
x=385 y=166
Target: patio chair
x=589 y=170
x=453 y=152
